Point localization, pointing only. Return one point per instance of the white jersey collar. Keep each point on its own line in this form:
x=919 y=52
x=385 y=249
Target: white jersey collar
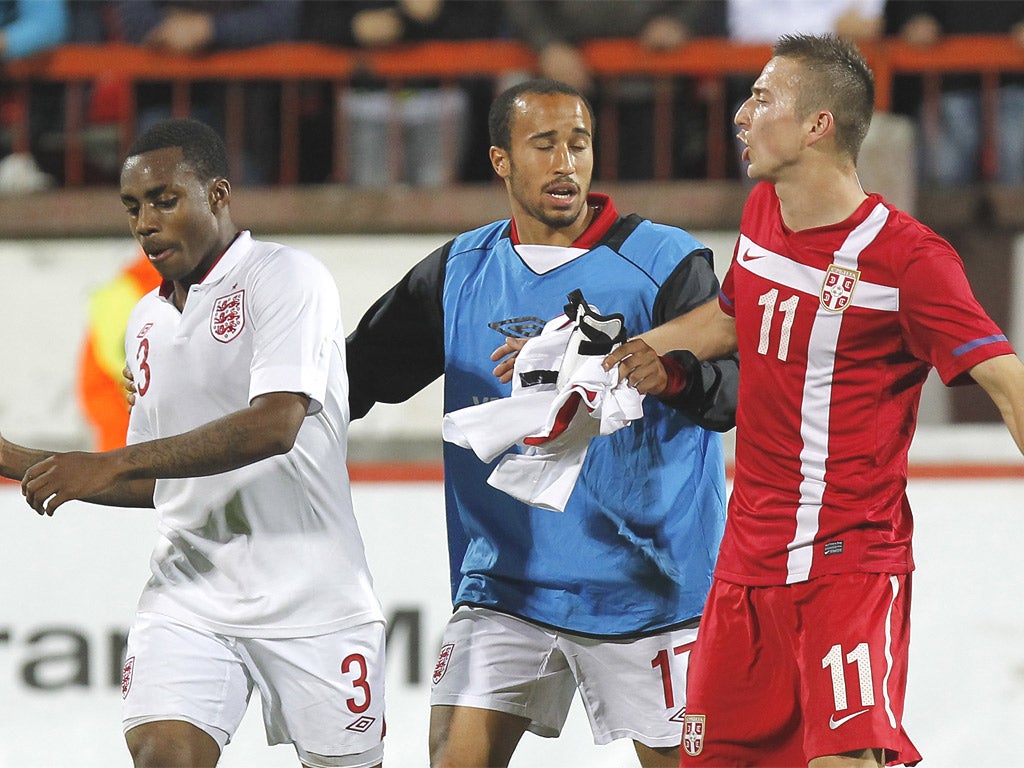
x=236 y=251
x=544 y=258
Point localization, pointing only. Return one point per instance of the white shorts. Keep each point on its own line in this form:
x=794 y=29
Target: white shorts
x=631 y=688
x=324 y=694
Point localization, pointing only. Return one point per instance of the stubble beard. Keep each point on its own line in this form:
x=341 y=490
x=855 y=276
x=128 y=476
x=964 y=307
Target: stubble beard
x=560 y=220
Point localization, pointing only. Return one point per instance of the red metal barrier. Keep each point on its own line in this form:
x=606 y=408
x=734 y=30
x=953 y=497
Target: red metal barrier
x=711 y=61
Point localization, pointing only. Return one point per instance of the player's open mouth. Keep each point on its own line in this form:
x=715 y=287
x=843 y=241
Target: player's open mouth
x=563 y=192
x=742 y=136
x=158 y=254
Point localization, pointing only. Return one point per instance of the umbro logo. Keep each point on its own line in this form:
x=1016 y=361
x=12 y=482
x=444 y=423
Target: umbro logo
x=833 y=723
x=361 y=724
x=518 y=327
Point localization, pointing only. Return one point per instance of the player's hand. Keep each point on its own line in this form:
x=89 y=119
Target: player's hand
x=506 y=354
x=63 y=477
x=639 y=366
x=129 y=387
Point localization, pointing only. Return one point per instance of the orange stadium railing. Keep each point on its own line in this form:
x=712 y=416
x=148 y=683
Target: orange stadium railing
x=710 y=61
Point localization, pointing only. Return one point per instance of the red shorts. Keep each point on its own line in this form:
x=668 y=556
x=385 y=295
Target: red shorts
x=783 y=674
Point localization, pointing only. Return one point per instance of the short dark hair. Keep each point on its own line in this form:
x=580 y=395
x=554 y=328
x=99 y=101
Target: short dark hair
x=201 y=146
x=499 y=120
x=841 y=81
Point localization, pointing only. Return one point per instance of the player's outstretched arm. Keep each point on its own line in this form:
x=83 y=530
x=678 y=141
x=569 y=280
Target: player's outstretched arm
x=16 y=461
x=1003 y=378
x=706 y=331
x=268 y=427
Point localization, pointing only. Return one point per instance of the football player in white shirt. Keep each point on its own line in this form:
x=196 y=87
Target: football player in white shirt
x=238 y=439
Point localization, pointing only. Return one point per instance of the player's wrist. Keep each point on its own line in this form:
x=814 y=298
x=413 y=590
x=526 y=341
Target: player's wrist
x=676 y=377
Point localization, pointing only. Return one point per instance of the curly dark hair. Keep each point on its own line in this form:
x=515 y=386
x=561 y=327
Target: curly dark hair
x=202 y=147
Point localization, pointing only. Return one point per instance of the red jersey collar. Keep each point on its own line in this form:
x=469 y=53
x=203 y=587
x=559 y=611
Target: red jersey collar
x=599 y=226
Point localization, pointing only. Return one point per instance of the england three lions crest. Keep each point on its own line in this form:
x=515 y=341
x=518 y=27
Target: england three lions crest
x=228 y=316
x=126 y=676
x=837 y=288
x=442 y=662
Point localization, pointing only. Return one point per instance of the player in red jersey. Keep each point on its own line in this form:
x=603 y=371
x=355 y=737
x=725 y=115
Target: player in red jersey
x=839 y=305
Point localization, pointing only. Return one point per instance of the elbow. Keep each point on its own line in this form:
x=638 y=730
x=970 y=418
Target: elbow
x=280 y=443
x=269 y=441
x=272 y=423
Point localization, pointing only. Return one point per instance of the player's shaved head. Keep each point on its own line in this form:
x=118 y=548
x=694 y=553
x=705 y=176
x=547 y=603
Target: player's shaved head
x=838 y=79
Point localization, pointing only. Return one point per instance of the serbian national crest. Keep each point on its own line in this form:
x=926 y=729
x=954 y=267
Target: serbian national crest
x=228 y=316
x=693 y=734
x=837 y=288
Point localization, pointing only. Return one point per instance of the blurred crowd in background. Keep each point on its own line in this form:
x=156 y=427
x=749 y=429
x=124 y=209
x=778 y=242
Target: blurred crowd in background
x=442 y=126
x=437 y=124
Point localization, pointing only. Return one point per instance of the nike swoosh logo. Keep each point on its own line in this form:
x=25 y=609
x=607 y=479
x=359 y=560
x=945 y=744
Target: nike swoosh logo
x=833 y=723
x=748 y=256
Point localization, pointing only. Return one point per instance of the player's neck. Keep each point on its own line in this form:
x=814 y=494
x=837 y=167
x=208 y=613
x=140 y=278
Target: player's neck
x=820 y=199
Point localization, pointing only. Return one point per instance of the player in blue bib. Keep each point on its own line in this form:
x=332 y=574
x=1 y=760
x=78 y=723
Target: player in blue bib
x=604 y=597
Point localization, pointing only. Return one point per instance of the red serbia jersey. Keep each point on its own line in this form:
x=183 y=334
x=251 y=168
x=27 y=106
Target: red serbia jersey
x=838 y=328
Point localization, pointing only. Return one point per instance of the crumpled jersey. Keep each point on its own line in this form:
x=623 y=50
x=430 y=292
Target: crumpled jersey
x=561 y=399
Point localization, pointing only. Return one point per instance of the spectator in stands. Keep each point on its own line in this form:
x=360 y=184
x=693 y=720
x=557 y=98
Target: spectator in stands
x=100 y=381
x=555 y=31
x=192 y=27
x=952 y=138
x=765 y=21
x=433 y=122
x=27 y=27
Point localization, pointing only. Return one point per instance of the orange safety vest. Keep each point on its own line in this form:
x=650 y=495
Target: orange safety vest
x=100 y=382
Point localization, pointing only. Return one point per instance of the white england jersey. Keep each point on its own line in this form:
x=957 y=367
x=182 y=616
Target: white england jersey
x=271 y=549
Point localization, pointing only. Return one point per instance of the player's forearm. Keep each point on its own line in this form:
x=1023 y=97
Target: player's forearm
x=1013 y=417
x=706 y=331
x=16 y=459
x=266 y=428
x=1003 y=379
x=130 y=493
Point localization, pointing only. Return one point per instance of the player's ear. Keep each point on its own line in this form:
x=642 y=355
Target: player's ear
x=220 y=193
x=500 y=161
x=821 y=124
